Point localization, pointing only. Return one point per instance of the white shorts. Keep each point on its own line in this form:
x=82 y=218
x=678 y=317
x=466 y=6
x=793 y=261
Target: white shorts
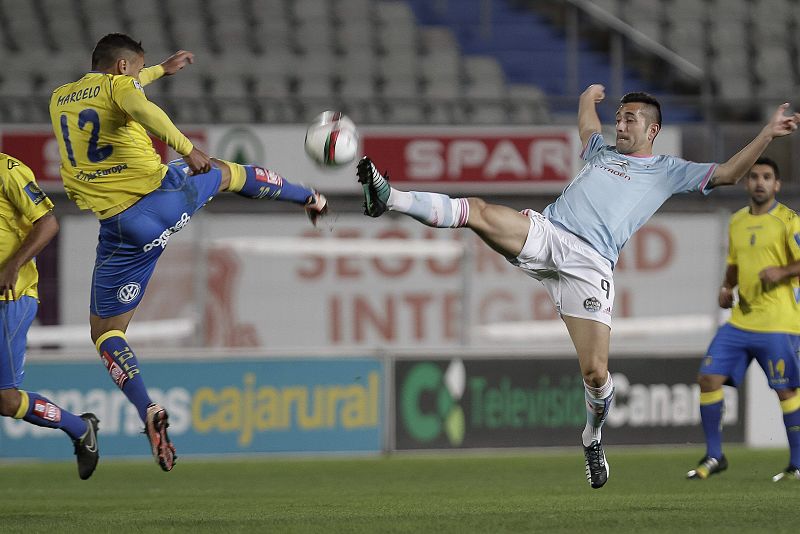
x=579 y=280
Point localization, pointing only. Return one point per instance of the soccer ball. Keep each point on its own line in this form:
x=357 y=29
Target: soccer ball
x=332 y=139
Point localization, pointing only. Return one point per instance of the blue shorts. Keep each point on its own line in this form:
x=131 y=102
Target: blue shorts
x=16 y=317
x=732 y=350
x=132 y=241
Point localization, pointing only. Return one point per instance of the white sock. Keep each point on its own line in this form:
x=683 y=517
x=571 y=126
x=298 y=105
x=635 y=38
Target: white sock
x=431 y=209
x=598 y=404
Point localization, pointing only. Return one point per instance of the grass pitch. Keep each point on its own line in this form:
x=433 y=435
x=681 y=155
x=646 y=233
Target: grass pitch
x=525 y=492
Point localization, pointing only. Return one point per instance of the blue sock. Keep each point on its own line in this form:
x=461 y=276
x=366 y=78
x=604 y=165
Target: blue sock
x=123 y=367
x=791 y=418
x=261 y=183
x=39 y=411
x=711 y=408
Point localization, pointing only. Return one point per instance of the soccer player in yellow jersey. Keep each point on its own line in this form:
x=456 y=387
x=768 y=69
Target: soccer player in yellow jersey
x=27 y=225
x=109 y=166
x=764 y=264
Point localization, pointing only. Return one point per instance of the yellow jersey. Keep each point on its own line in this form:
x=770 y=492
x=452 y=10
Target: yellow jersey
x=107 y=159
x=756 y=242
x=21 y=204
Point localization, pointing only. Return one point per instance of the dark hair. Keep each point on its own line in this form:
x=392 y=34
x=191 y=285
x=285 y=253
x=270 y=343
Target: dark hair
x=107 y=50
x=763 y=160
x=644 y=98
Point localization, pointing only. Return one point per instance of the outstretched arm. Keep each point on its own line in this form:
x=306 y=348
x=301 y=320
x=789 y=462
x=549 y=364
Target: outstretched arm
x=588 y=121
x=176 y=62
x=732 y=170
x=168 y=67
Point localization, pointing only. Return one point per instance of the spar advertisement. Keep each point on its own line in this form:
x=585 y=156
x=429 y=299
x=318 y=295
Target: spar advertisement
x=217 y=406
x=237 y=276
x=496 y=402
x=470 y=159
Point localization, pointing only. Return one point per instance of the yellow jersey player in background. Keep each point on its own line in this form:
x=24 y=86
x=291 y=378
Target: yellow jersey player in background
x=763 y=264
x=27 y=225
x=109 y=166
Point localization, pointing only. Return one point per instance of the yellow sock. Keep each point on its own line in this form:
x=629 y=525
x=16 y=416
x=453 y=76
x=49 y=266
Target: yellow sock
x=238 y=175
x=24 y=402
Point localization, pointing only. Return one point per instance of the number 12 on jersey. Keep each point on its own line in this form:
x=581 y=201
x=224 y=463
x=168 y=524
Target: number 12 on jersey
x=94 y=153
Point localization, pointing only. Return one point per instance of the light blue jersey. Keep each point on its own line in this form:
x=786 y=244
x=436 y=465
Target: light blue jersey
x=614 y=195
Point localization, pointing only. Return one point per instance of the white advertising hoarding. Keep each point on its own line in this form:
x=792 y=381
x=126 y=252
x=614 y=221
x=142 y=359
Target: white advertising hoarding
x=670 y=267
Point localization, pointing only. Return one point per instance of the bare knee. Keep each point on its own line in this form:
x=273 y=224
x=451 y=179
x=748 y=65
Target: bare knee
x=786 y=394
x=710 y=383
x=225 y=172
x=9 y=402
x=99 y=325
x=502 y=228
x=596 y=377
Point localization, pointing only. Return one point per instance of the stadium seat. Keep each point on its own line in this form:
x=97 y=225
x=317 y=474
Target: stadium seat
x=26 y=27
x=686 y=10
x=729 y=36
x=189 y=27
x=390 y=38
x=735 y=89
x=403 y=87
x=772 y=32
x=393 y=13
x=528 y=104
x=146 y=24
x=479 y=112
x=231 y=36
x=438 y=40
x=775 y=10
x=269 y=85
x=359 y=64
x=399 y=63
x=773 y=67
x=724 y=11
x=482 y=69
x=610 y=6
x=316 y=86
x=64 y=25
x=102 y=17
x=353 y=36
x=643 y=10
x=440 y=67
x=311 y=10
x=353 y=8
x=19 y=84
x=314 y=36
x=358 y=99
x=406 y=112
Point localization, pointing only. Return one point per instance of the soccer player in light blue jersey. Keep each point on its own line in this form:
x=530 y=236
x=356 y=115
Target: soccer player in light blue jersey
x=572 y=246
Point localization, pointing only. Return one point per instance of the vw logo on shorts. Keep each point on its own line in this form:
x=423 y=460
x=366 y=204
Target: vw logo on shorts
x=128 y=292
